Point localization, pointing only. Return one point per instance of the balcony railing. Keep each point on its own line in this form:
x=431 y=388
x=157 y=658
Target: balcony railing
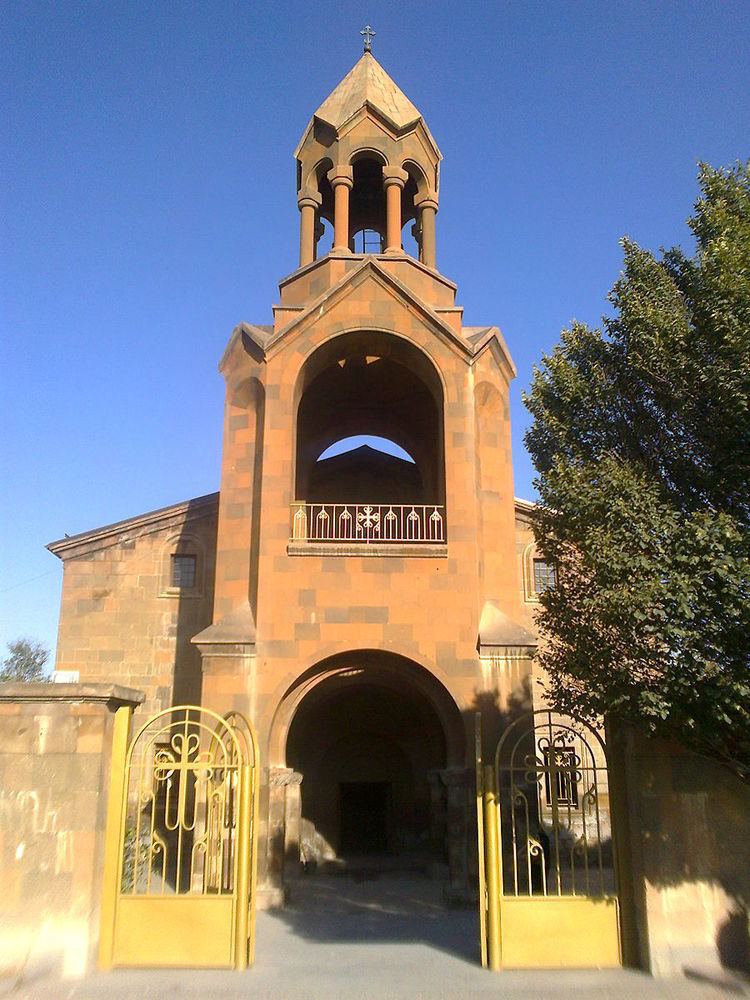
x=372 y=524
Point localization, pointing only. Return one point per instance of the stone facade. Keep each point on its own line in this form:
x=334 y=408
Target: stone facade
x=121 y=621
x=684 y=838
x=361 y=343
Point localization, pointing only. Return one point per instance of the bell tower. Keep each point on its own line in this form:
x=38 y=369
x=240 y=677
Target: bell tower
x=368 y=165
x=366 y=602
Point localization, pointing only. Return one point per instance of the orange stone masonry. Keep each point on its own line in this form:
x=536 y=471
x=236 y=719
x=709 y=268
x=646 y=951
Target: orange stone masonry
x=359 y=606
x=442 y=624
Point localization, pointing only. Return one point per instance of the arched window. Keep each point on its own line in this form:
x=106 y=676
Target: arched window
x=367 y=241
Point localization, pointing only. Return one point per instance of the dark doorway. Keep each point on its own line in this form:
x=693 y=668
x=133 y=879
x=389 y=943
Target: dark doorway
x=364 y=816
x=369 y=745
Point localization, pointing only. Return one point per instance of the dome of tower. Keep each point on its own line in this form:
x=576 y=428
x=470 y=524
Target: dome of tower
x=368 y=83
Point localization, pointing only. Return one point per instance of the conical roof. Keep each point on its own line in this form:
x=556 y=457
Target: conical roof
x=368 y=83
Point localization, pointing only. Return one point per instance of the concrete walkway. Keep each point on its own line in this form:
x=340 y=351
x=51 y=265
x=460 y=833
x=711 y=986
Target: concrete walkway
x=371 y=939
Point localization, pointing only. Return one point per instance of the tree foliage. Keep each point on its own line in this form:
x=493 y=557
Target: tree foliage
x=25 y=662
x=641 y=441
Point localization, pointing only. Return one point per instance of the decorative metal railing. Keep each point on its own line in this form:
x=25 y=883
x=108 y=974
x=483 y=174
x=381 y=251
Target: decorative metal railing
x=368 y=523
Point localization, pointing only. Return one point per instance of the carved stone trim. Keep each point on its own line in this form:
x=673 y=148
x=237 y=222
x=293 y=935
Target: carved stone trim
x=279 y=777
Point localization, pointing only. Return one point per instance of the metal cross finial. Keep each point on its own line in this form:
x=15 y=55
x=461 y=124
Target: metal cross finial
x=368 y=34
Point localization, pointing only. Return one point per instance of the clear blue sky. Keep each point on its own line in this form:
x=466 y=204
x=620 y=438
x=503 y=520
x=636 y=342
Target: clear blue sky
x=149 y=205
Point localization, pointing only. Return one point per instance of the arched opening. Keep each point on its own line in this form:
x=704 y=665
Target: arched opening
x=371 y=440
x=411 y=236
x=367 y=201
x=370 y=383
x=324 y=188
x=317 y=181
x=365 y=472
x=365 y=466
x=371 y=736
x=409 y=239
x=367 y=241
x=324 y=237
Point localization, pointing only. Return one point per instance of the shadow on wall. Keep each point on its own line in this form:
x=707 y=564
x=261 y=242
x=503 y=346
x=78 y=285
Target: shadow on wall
x=689 y=838
x=190 y=574
x=495 y=720
x=733 y=941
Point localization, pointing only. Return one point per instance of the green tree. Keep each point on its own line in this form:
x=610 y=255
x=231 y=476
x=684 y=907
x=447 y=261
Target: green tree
x=25 y=662
x=641 y=441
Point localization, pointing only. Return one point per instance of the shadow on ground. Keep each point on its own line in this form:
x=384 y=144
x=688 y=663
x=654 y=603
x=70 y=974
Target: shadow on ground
x=376 y=907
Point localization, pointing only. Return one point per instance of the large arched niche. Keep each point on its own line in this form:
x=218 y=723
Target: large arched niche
x=370 y=382
x=367 y=729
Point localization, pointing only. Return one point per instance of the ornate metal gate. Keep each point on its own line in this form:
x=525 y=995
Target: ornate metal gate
x=551 y=897
x=179 y=878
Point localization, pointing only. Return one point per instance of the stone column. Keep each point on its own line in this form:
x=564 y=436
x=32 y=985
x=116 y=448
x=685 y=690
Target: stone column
x=438 y=829
x=293 y=815
x=456 y=781
x=394 y=179
x=280 y=781
x=427 y=211
x=342 y=181
x=308 y=206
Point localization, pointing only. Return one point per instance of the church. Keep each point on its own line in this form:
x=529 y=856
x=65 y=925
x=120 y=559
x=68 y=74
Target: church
x=358 y=607
x=365 y=609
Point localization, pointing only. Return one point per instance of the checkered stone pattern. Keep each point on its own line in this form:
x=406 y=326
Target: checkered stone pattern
x=308 y=608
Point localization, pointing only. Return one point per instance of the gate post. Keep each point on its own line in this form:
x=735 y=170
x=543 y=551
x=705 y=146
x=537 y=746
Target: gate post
x=113 y=837
x=493 y=869
x=481 y=861
x=244 y=833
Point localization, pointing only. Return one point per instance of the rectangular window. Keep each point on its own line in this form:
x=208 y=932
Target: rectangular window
x=183 y=572
x=544 y=576
x=563 y=764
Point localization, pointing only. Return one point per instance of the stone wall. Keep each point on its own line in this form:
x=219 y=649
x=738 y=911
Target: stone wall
x=684 y=839
x=121 y=621
x=55 y=745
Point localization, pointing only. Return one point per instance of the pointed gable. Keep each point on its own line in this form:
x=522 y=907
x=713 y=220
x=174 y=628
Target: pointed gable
x=398 y=308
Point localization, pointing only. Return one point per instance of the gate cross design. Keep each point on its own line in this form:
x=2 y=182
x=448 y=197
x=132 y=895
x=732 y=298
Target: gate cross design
x=181 y=842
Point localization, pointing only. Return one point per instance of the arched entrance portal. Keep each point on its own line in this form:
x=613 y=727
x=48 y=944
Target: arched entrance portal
x=373 y=736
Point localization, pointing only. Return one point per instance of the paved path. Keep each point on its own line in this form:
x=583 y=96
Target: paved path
x=379 y=939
